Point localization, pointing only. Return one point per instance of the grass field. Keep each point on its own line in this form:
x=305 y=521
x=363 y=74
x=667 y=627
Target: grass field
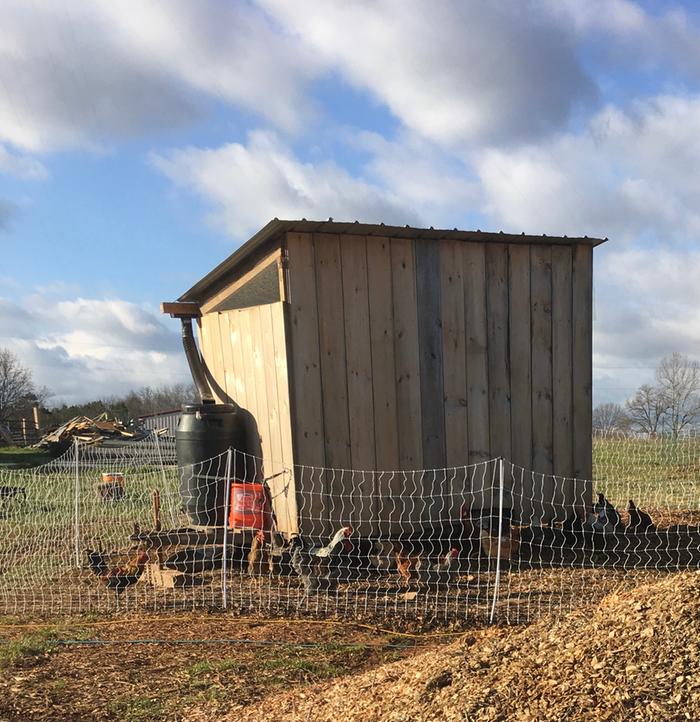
x=21 y=457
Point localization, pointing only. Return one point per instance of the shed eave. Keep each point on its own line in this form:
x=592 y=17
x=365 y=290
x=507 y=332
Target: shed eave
x=276 y=228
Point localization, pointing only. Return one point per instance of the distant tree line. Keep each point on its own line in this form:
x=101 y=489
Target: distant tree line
x=147 y=400
x=670 y=406
x=19 y=395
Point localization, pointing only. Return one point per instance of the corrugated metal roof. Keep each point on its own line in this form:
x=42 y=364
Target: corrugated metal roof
x=276 y=228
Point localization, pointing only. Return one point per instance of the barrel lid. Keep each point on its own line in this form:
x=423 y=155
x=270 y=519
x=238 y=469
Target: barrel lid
x=208 y=409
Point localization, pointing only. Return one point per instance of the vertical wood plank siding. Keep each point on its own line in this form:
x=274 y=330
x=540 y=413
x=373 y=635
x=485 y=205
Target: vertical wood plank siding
x=582 y=353
x=474 y=269
x=246 y=359
x=454 y=354
x=411 y=354
x=499 y=360
x=562 y=349
x=432 y=391
x=360 y=496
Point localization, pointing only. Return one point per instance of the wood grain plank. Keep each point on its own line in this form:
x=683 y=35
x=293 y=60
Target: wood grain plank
x=521 y=379
x=381 y=323
x=305 y=374
x=358 y=351
x=427 y=255
x=582 y=360
x=520 y=356
x=239 y=394
x=542 y=412
x=284 y=487
x=562 y=363
x=474 y=272
x=331 y=324
x=353 y=251
x=408 y=396
x=499 y=360
x=386 y=431
x=262 y=395
x=454 y=353
x=227 y=352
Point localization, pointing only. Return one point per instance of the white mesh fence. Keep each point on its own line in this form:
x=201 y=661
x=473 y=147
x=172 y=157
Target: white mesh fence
x=121 y=528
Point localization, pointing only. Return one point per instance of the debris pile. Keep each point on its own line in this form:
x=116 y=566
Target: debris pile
x=89 y=431
x=635 y=656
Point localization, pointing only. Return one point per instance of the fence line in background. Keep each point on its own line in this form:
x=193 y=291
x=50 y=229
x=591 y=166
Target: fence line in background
x=476 y=543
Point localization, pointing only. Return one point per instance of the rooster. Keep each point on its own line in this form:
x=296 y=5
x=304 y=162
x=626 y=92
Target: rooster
x=312 y=565
x=121 y=577
x=640 y=521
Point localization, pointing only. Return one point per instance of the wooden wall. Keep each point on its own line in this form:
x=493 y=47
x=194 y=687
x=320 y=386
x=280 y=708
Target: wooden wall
x=246 y=356
x=414 y=354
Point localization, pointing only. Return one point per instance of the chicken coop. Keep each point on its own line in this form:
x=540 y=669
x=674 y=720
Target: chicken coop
x=375 y=347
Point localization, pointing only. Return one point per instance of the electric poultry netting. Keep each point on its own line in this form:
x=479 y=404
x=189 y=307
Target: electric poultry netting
x=487 y=541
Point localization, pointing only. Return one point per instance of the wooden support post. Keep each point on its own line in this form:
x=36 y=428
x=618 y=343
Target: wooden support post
x=155 y=498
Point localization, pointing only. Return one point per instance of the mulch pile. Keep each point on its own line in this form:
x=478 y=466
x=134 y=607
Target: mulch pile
x=635 y=656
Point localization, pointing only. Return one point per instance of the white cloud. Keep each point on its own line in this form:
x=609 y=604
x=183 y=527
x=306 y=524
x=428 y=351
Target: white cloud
x=648 y=305
x=626 y=175
x=249 y=184
x=85 y=74
x=82 y=349
x=627 y=35
x=453 y=71
x=21 y=166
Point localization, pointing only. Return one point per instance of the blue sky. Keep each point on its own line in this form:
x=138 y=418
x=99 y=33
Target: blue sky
x=142 y=142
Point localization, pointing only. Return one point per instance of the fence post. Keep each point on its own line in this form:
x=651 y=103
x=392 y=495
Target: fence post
x=501 y=480
x=227 y=502
x=76 y=511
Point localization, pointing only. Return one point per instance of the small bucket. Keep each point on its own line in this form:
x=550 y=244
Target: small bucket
x=250 y=507
x=112 y=486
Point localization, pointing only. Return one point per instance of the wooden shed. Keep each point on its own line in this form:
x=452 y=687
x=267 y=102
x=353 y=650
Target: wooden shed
x=375 y=347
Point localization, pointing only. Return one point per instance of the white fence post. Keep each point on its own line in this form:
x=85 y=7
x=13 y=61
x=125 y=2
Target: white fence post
x=227 y=502
x=76 y=511
x=501 y=479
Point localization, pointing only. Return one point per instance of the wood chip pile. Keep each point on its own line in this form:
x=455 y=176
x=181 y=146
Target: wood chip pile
x=636 y=656
x=90 y=431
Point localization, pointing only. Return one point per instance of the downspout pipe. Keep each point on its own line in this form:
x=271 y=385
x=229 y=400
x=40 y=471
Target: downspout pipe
x=195 y=362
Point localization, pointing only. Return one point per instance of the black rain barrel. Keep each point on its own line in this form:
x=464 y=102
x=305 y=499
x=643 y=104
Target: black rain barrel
x=206 y=431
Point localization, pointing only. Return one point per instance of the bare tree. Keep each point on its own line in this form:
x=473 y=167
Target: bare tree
x=646 y=409
x=610 y=417
x=16 y=384
x=678 y=384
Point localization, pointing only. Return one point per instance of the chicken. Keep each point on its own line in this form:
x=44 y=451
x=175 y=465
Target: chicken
x=337 y=538
x=640 y=521
x=118 y=578
x=607 y=516
x=97 y=562
x=423 y=559
x=313 y=565
x=259 y=556
x=509 y=545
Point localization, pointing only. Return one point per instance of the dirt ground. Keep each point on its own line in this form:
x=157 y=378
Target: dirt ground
x=635 y=655
x=180 y=678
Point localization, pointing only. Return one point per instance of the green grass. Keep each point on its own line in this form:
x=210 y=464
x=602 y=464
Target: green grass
x=655 y=472
x=22 y=457
x=27 y=650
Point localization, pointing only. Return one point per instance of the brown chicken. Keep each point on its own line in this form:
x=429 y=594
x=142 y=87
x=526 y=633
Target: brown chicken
x=121 y=577
x=259 y=556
